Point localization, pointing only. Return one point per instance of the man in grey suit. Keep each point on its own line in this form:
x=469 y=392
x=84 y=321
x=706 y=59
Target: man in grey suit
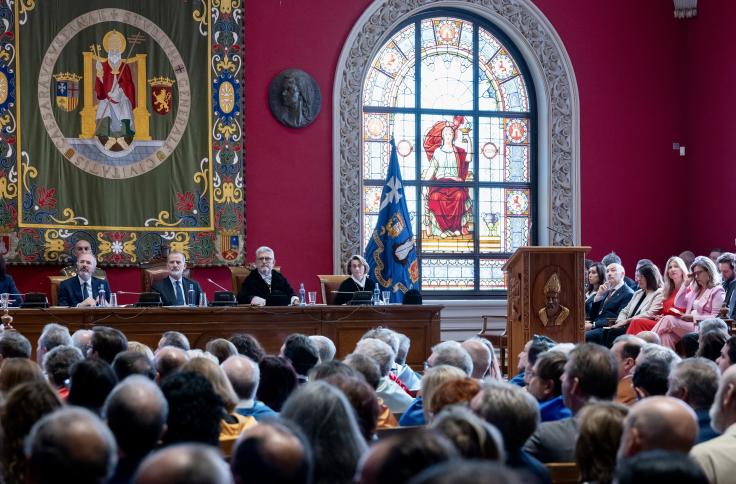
x=174 y=289
x=590 y=373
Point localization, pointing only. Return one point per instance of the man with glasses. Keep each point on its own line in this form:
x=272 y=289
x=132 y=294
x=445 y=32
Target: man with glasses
x=264 y=281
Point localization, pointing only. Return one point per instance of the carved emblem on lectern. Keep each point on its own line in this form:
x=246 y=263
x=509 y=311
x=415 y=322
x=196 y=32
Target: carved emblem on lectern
x=553 y=313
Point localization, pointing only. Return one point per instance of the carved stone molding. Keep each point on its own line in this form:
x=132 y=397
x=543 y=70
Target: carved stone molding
x=557 y=107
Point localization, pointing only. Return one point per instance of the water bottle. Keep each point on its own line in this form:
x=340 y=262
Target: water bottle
x=302 y=295
x=376 y=295
x=101 y=301
x=190 y=293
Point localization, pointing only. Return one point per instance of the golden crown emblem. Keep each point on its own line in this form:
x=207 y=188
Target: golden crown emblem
x=552 y=285
x=67 y=76
x=161 y=81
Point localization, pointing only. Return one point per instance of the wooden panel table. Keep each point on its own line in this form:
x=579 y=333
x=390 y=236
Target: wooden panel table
x=343 y=324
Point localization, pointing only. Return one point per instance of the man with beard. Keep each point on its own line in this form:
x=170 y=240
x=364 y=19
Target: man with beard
x=175 y=289
x=264 y=281
x=83 y=290
x=717 y=457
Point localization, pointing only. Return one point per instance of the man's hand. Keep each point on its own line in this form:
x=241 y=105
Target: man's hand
x=588 y=326
x=258 y=301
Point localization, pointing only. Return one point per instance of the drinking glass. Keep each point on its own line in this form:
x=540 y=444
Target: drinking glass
x=114 y=300
x=312 y=298
x=5 y=300
x=202 y=300
x=386 y=297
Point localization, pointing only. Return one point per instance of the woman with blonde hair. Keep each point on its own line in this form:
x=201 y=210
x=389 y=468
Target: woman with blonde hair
x=702 y=299
x=232 y=424
x=675 y=274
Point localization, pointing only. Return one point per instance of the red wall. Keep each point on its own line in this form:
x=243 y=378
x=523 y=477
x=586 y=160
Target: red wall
x=629 y=69
x=709 y=77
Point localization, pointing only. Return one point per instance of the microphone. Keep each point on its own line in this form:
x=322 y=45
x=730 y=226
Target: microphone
x=217 y=285
x=133 y=293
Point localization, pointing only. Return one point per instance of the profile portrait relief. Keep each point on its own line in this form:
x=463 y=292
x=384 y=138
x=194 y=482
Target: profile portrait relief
x=294 y=98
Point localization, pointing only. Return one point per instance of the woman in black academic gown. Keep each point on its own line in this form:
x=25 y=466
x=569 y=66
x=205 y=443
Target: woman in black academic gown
x=7 y=285
x=357 y=267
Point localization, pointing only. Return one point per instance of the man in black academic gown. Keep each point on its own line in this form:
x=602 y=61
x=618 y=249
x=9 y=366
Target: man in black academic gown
x=174 y=289
x=264 y=281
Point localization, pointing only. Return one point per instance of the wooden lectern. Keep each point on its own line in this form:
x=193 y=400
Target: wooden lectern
x=536 y=276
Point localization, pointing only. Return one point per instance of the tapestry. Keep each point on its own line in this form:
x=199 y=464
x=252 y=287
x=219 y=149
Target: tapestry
x=121 y=123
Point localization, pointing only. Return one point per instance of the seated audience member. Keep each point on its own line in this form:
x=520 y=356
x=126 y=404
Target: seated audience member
x=331 y=368
x=626 y=349
x=418 y=412
x=14 y=345
x=611 y=298
x=404 y=372
x=710 y=345
x=533 y=347
x=728 y=355
x=302 y=354
x=245 y=376
x=175 y=339
x=717 y=457
x=515 y=414
x=90 y=382
x=367 y=369
x=57 y=365
x=650 y=378
x=175 y=289
x=278 y=381
x=453 y=392
x=221 y=348
x=366 y=366
x=688 y=257
x=264 y=281
x=453 y=354
x=195 y=410
x=658 y=423
x=596 y=276
x=613 y=258
x=184 y=464
x=599 y=437
x=399 y=458
x=82 y=246
x=248 y=345
x=481 y=357
x=328 y=421
x=471 y=472
x=389 y=391
x=494 y=372
x=84 y=289
x=702 y=301
x=53 y=335
x=357 y=269
x=232 y=423
x=168 y=360
x=7 y=285
x=107 y=343
x=363 y=399
x=546 y=387
x=715 y=254
x=132 y=363
x=645 y=303
x=695 y=382
x=657 y=352
x=16 y=371
x=660 y=466
x=590 y=372
x=70 y=445
x=325 y=347
x=648 y=337
x=136 y=413
x=82 y=340
x=391 y=338
x=272 y=452
x=727 y=267
x=674 y=277
x=473 y=437
x=691 y=341
x=23 y=407
x=138 y=347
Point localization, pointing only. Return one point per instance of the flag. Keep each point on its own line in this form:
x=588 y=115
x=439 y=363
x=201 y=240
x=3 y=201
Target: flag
x=391 y=252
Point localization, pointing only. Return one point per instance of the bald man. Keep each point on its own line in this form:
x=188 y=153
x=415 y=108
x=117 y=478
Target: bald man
x=245 y=376
x=168 y=360
x=658 y=423
x=184 y=464
x=481 y=356
x=717 y=457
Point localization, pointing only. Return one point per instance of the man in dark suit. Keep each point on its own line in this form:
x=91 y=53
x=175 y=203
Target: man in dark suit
x=174 y=289
x=264 y=281
x=612 y=297
x=83 y=289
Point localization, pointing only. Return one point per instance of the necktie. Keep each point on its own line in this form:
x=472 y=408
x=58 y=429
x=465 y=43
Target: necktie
x=85 y=290
x=179 y=294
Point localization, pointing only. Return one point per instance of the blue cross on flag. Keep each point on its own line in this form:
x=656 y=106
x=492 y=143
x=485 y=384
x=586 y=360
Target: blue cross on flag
x=391 y=252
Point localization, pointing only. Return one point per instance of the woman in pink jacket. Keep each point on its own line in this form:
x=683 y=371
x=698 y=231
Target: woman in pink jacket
x=703 y=299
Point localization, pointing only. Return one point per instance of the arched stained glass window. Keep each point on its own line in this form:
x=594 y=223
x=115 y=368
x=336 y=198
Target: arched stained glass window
x=456 y=96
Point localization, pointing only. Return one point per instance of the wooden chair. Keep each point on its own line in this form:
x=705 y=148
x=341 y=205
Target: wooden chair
x=499 y=341
x=563 y=472
x=156 y=272
x=55 y=281
x=329 y=283
x=239 y=273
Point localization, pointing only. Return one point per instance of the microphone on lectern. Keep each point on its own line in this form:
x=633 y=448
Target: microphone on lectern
x=216 y=285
